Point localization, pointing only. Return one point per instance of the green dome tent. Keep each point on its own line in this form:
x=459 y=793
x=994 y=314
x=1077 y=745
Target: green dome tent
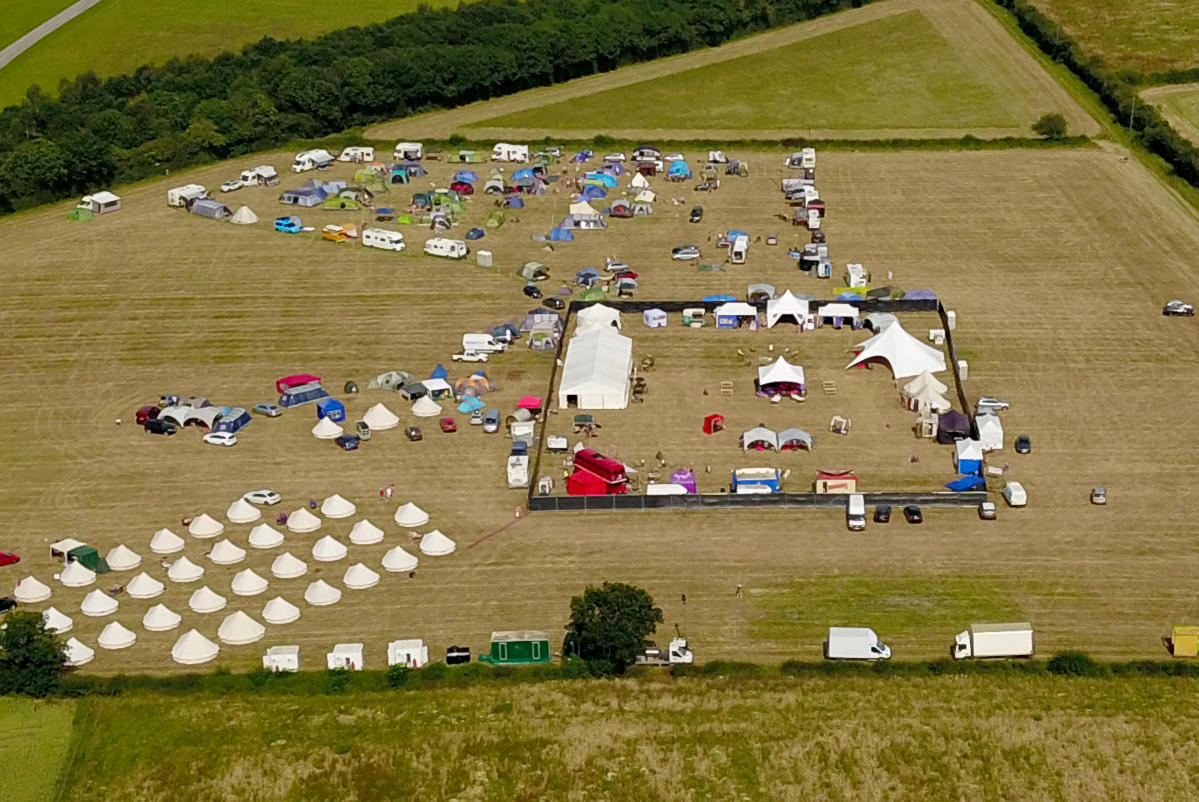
x=80 y=214
x=495 y=219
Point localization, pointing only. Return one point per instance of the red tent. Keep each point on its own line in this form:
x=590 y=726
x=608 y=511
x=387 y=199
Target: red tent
x=294 y=381
x=530 y=402
x=585 y=483
x=713 y=424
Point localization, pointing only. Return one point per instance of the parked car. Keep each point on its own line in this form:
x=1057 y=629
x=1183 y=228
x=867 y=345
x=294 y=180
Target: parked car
x=986 y=511
x=882 y=514
x=220 y=438
x=7 y=603
x=697 y=214
x=413 y=433
x=288 y=225
x=615 y=157
x=156 y=426
x=348 y=442
x=994 y=404
x=706 y=186
x=491 y=421
x=8 y=558
x=1098 y=496
x=470 y=356
x=363 y=430
x=913 y=514
x=1178 y=308
x=267 y=497
x=616 y=267
x=270 y=410
x=1023 y=444
x=476 y=418
x=554 y=302
x=231 y=186
x=818 y=235
x=148 y=412
x=684 y=253
x=447 y=425
x=532 y=290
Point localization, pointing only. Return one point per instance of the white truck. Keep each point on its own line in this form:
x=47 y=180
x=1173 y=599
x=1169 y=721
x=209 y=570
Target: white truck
x=357 y=153
x=311 y=160
x=505 y=152
x=994 y=640
x=383 y=239
x=855 y=643
x=181 y=196
x=676 y=654
x=408 y=152
x=447 y=248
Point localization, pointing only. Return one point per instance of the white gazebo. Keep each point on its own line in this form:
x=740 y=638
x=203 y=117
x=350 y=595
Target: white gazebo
x=787 y=305
x=596 y=371
x=599 y=316
x=781 y=371
x=906 y=355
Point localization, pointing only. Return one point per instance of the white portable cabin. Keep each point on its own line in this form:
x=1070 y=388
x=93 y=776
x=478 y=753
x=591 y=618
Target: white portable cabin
x=311 y=160
x=447 y=248
x=505 y=152
x=357 y=153
x=101 y=202
x=383 y=239
x=345 y=655
x=262 y=175
x=807 y=158
x=856 y=276
x=179 y=196
x=408 y=152
x=739 y=249
x=282 y=658
x=411 y=652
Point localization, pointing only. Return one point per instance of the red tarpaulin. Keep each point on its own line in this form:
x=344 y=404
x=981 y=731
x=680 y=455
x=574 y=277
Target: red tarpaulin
x=529 y=402
x=294 y=381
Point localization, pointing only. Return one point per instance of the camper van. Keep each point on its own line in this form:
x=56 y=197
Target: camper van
x=813 y=219
x=855 y=512
x=739 y=250
x=262 y=175
x=447 y=248
x=357 y=153
x=482 y=344
x=311 y=160
x=807 y=158
x=856 y=276
x=504 y=152
x=408 y=152
x=181 y=196
x=383 y=239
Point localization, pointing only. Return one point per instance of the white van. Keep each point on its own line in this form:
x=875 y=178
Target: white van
x=739 y=250
x=383 y=239
x=855 y=643
x=505 y=152
x=855 y=512
x=180 y=196
x=482 y=344
x=1014 y=495
x=447 y=248
x=311 y=160
x=408 y=152
x=807 y=158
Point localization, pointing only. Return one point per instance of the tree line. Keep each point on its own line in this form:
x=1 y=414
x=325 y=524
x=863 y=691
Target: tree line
x=195 y=110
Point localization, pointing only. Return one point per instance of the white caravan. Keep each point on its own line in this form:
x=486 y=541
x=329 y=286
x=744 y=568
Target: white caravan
x=357 y=153
x=181 y=196
x=504 y=152
x=446 y=248
x=311 y=160
x=262 y=175
x=855 y=643
x=408 y=152
x=383 y=239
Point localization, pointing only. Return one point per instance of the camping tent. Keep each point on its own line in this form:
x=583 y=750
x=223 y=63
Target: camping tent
x=77 y=654
x=287 y=566
x=144 y=586
x=166 y=542
x=76 y=576
x=781 y=376
x=248 y=583
x=399 y=561
x=990 y=431
x=786 y=305
x=244 y=217
x=123 y=558
x=280 y=611
x=639 y=182
x=877 y=321
x=226 y=553
x=192 y=648
x=597 y=316
x=302 y=522
x=332 y=409
x=952 y=426
x=206 y=600
x=56 y=621
x=359 y=577
x=265 y=536
x=98 y=603
x=409 y=515
x=161 y=618
x=184 y=570
x=80 y=215
x=390 y=380
x=365 y=533
x=239 y=629
x=759 y=438
x=328 y=549
x=337 y=506
x=321 y=594
x=906 y=355
x=426 y=407
x=31 y=591
x=116 y=636
x=205 y=526
x=560 y=234
x=380 y=418
x=242 y=512
x=206 y=207
x=923 y=382
x=595 y=374
x=436 y=544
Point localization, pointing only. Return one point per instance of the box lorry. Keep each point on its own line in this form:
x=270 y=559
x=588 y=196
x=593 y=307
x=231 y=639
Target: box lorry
x=855 y=643
x=994 y=640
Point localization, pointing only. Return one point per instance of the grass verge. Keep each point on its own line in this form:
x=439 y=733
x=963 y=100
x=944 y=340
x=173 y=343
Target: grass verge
x=36 y=735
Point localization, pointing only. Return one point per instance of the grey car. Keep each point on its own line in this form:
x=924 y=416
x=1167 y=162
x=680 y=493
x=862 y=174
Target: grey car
x=270 y=410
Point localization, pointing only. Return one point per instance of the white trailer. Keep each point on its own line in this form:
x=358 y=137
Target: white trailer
x=408 y=152
x=678 y=653
x=994 y=640
x=181 y=196
x=357 y=153
x=505 y=152
x=855 y=643
x=446 y=248
x=311 y=160
x=518 y=470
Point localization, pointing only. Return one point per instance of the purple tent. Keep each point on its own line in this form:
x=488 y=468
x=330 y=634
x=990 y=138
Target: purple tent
x=685 y=478
x=920 y=295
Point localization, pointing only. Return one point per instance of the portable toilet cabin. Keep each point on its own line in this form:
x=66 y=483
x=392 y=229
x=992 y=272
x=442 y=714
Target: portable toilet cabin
x=332 y=409
x=518 y=647
x=282 y=658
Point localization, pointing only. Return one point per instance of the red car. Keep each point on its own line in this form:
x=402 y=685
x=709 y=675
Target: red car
x=146 y=413
x=448 y=425
x=8 y=558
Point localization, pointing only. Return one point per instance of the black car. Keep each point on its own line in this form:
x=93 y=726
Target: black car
x=157 y=426
x=697 y=214
x=1023 y=444
x=7 y=604
x=882 y=514
x=554 y=302
x=348 y=442
x=912 y=514
x=532 y=291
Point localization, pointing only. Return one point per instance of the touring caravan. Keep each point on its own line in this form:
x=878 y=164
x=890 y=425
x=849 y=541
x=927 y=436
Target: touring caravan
x=408 y=152
x=311 y=160
x=447 y=248
x=504 y=152
x=357 y=153
x=262 y=175
x=383 y=239
x=181 y=196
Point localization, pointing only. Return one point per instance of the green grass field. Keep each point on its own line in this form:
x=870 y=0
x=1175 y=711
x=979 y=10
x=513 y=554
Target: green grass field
x=1179 y=104
x=36 y=735
x=22 y=16
x=837 y=738
x=120 y=35
x=1144 y=35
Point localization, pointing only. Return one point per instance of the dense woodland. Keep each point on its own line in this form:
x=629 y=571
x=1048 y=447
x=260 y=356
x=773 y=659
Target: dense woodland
x=109 y=131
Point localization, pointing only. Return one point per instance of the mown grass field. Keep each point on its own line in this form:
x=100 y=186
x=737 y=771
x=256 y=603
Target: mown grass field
x=119 y=36
x=22 y=16
x=896 y=68
x=1144 y=35
x=36 y=736
x=1179 y=104
x=841 y=738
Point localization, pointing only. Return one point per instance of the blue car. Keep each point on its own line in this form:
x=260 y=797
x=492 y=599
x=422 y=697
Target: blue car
x=348 y=442
x=289 y=225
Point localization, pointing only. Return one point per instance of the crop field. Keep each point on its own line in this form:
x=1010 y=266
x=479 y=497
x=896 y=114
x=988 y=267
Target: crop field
x=840 y=738
x=895 y=68
x=1179 y=104
x=118 y=36
x=1145 y=35
x=36 y=735
x=1025 y=245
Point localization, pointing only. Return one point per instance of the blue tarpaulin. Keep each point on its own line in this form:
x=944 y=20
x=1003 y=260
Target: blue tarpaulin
x=470 y=404
x=966 y=483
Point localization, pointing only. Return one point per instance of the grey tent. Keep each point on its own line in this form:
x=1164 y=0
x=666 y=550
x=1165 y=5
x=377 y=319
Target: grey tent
x=207 y=207
x=533 y=271
x=790 y=439
x=760 y=292
x=390 y=380
x=642 y=209
x=414 y=390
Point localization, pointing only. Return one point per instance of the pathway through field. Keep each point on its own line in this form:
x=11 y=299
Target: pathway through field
x=45 y=29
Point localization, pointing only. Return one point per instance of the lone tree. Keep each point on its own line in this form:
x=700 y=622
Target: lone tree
x=1050 y=126
x=608 y=626
x=30 y=656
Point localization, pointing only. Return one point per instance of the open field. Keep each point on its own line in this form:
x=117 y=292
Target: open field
x=36 y=735
x=105 y=316
x=841 y=738
x=22 y=16
x=119 y=36
x=1144 y=35
x=901 y=69
x=1179 y=104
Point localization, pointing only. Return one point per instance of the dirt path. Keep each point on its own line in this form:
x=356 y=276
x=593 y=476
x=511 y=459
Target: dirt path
x=1163 y=98
x=45 y=29
x=964 y=23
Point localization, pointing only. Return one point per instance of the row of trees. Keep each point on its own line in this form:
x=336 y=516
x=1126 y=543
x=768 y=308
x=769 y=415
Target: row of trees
x=194 y=110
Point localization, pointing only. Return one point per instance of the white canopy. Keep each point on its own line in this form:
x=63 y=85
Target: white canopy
x=206 y=600
x=426 y=407
x=302 y=522
x=205 y=526
x=326 y=429
x=927 y=398
x=226 y=553
x=56 y=621
x=248 y=583
x=337 y=507
x=780 y=371
x=380 y=418
x=265 y=536
x=582 y=209
x=192 y=648
x=837 y=310
x=990 y=432
x=399 y=561
x=239 y=629
x=968 y=450
x=286 y=566
x=243 y=512
x=436 y=385
x=924 y=380
x=166 y=542
x=906 y=355
x=759 y=434
x=436 y=544
x=76 y=576
x=321 y=594
x=596 y=372
x=359 y=577
x=879 y=320
x=409 y=515
x=244 y=217
x=161 y=618
x=735 y=308
x=116 y=636
x=184 y=570
x=144 y=586
x=78 y=654
x=596 y=317
x=98 y=603
x=328 y=549
x=123 y=558
x=31 y=590
x=786 y=304
x=280 y=611
x=365 y=533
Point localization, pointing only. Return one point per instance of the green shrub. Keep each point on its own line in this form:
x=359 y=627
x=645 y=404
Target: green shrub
x=398 y=676
x=1076 y=664
x=433 y=672
x=337 y=680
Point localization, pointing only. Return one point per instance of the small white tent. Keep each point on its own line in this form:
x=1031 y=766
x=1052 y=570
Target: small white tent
x=336 y=506
x=192 y=648
x=906 y=355
x=426 y=407
x=781 y=370
x=244 y=217
x=321 y=594
x=242 y=512
x=205 y=526
x=411 y=652
x=56 y=621
x=98 y=603
x=184 y=570
x=924 y=381
x=78 y=654
x=784 y=305
x=328 y=549
x=76 y=576
x=409 y=515
x=365 y=533
x=161 y=618
x=287 y=566
x=116 y=636
x=379 y=418
x=239 y=629
x=282 y=658
x=359 y=577
x=990 y=431
x=302 y=522
x=144 y=586
x=599 y=316
x=123 y=558
x=399 y=561
x=436 y=544
x=166 y=542
x=595 y=374
x=31 y=590
x=760 y=434
x=326 y=429
x=280 y=611
x=639 y=181
x=248 y=583
x=206 y=600
x=265 y=536
x=226 y=553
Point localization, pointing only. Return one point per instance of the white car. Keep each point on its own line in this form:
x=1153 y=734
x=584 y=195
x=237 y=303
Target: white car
x=267 y=497
x=221 y=438
x=470 y=356
x=614 y=157
x=987 y=402
x=230 y=186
